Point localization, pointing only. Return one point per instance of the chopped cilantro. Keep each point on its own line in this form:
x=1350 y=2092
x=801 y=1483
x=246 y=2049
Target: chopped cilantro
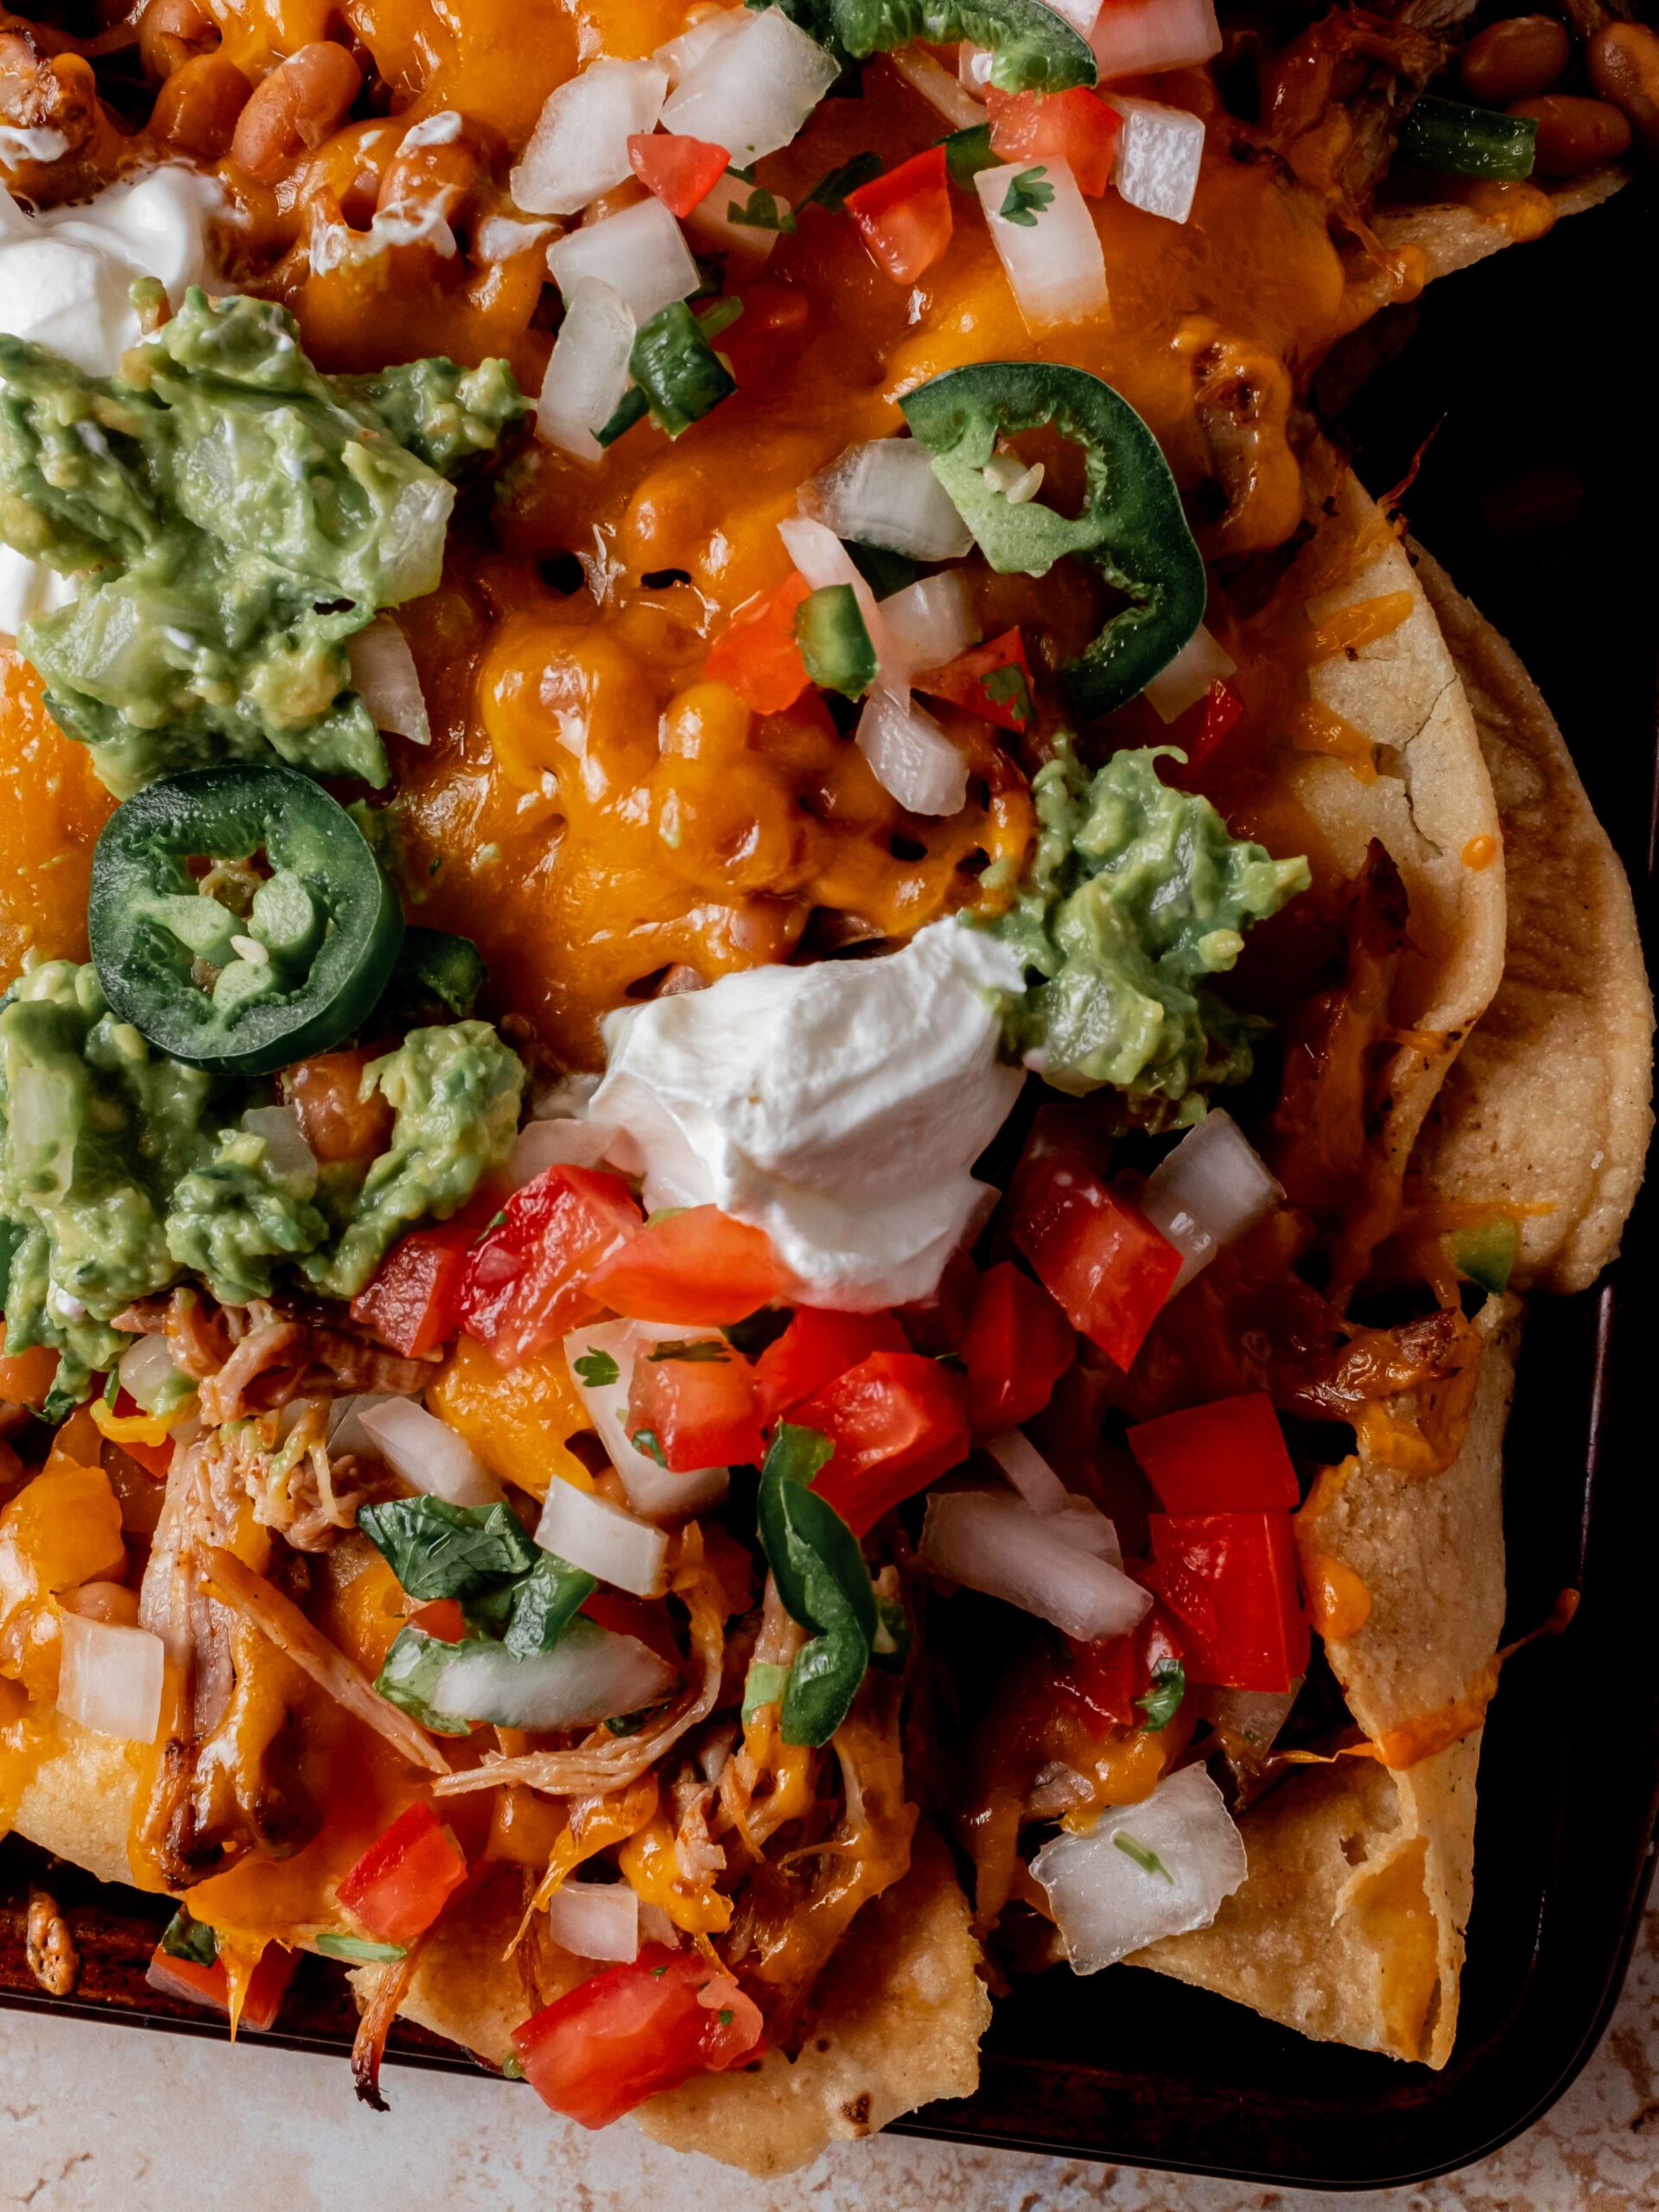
x=1163 y=1700
x=831 y=191
x=1027 y=196
x=648 y=1441
x=597 y=1369
x=761 y=212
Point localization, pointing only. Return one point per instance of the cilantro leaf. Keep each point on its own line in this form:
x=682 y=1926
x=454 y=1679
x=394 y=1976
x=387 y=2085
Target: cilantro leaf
x=824 y=1583
x=761 y=212
x=1163 y=1700
x=184 y=1937
x=545 y=1603
x=439 y=1550
x=1027 y=196
x=1007 y=687
x=1143 y=1855
x=409 y=1677
x=967 y=152
x=597 y=1369
x=358 y=1949
x=756 y=1330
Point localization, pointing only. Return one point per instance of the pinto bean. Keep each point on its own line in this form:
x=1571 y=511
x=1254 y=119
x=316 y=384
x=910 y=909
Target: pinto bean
x=1574 y=134
x=1624 y=60
x=173 y=32
x=1514 y=59
x=294 y=108
x=196 y=109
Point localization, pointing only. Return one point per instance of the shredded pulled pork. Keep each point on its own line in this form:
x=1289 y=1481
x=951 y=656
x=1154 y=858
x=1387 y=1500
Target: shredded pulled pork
x=603 y=1763
x=380 y=1990
x=252 y=1359
x=283 y=1464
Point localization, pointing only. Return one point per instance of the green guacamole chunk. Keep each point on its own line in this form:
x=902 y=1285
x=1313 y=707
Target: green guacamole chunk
x=123 y=1170
x=239 y=516
x=1135 y=897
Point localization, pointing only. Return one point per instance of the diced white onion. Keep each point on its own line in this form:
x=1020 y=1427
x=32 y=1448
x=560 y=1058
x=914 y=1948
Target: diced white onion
x=1054 y=265
x=580 y=145
x=146 y=1368
x=109 y=1678
x=680 y=55
x=346 y=1429
x=603 y=1540
x=1082 y=14
x=590 y=1674
x=931 y=620
x=910 y=755
x=1108 y=1901
x=1253 y=1718
x=559 y=1143
x=884 y=493
x=651 y=1489
x=920 y=71
x=427 y=1454
x=640 y=254
x=1029 y=1472
x=716 y=230
x=1159 y=152
x=497 y=237
x=287 y=1153
x=1208 y=1191
x=999 y=1545
x=595 y=1920
x=974 y=71
x=1081 y=1522
x=1137 y=38
x=821 y=558
x=1200 y=663
x=384 y=677
x=587 y=372
x=752 y=92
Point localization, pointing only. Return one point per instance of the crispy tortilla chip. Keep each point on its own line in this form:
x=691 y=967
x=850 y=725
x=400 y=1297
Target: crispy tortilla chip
x=78 y=1802
x=901 y=2015
x=1350 y=1923
x=1454 y=235
x=1550 y=1104
x=1430 y=798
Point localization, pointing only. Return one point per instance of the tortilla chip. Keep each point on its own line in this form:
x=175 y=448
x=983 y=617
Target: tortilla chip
x=1549 y=1104
x=902 y=2009
x=1430 y=798
x=1453 y=236
x=78 y=1802
x=1350 y=1924
x=464 y=1986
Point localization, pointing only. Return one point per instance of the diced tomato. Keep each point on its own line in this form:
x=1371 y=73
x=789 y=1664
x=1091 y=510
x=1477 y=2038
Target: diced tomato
x=898 y=1422
x=1228 y=1457
x=817 y=1347
x=904 y=216
x=155 y=1459
x=769 y=332
x=701 y=1409
x=413 y=1303
x=646 y=1619
x=1101 y=1257
x=681 y=171
x=759 y=656
x=992 y=681
x=1202 y=731
x=443 y=1618
x=1101 y=1682
x=405 y=1878
x=697 y=1267
x=1229 y=1578
x=191 y=1984
x=335 y=1119
x=1019 y=1344
x=526 y=1283
x=1074 y=126
x=937 y=1325
x=26 y=1377
x=634 y=2031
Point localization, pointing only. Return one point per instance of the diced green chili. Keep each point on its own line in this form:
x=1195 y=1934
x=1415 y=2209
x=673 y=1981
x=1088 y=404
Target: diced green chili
x=1457 y=140
x=1131 y=526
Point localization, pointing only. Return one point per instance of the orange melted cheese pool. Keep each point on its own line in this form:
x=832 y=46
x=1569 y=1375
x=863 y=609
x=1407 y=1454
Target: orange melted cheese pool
x=592 y=811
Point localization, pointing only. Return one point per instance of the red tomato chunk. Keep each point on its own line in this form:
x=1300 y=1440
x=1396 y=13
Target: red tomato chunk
x=1019 y=1344
x=1229 y=1578
x=699 y=1404
x=681 y=171
x=904 y=218
x=192 y=1984
x=633 y=2031
x=698 y=1268
x=898 y=1422
x=1074 y=126
x=527 y=1283
x=1100 y=1257
x=817 y=1347
x=413 y=1303
x=1223 y=1458
x=403 y=1880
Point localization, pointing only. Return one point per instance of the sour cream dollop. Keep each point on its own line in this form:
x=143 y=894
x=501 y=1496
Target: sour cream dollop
x=63 y=274
x=840 y=1108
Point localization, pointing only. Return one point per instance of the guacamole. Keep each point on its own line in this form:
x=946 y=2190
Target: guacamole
x=121 y=1169
x=1136 y=894
x=242 y=516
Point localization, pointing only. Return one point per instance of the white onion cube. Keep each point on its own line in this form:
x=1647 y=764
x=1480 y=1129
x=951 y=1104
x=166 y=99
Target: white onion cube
x=884 y=493
x=910 y=755
x=1179 y=1855
x=595 y=1920
x=384 y=677
x=587 y=372
x=603 y=1540
x=991 y=1542
x=1211 y=1188
x=1185 y=680
x=558 y=1143
x=1159 y=152
x=1138 y=38
x=640 y=254
x=930 y=621
x=580 y=145
x=712 y=223
x=752 y=92
x=651 y=1489
x=429 y=1454
x=1052 y=262
x=109 y=1678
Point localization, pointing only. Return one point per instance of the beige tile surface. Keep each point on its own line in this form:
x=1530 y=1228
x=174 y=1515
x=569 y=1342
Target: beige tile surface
x=111 y=2119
